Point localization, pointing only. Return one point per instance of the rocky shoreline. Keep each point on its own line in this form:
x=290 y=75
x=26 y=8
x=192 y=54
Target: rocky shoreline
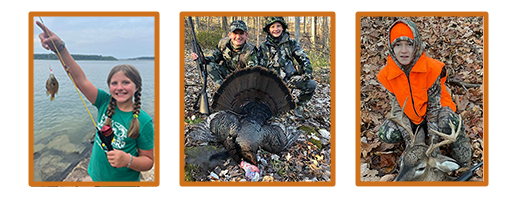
x=57 y=159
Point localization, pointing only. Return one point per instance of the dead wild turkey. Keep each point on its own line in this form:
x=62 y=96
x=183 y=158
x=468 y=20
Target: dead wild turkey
x=245 y=101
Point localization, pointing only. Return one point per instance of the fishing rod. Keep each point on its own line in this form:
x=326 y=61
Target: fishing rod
x=67 y=72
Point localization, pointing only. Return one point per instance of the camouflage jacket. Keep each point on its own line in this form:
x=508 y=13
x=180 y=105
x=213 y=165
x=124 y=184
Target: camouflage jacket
x=279 y=56
x=233 y=60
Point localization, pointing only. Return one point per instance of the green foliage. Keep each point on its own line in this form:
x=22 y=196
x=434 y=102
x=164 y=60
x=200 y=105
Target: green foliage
x=196 y=120
x=189 y=170
x=208 y=39
x=307 y=129
x=319 y=59
x=316 y=142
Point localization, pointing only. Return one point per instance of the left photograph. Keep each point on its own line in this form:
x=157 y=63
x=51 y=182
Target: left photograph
x=93 y=98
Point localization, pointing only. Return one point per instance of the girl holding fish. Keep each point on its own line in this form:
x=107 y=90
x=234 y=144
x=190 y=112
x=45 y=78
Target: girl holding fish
x=119 y=111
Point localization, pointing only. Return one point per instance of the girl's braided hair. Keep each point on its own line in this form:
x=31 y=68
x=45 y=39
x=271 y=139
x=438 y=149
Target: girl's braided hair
x=132 y=73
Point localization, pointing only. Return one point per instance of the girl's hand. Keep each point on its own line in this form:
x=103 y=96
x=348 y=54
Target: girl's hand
x=118 y=158
x=46 y=36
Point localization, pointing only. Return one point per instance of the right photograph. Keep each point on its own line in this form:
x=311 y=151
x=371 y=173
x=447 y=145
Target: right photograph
x=422 y=99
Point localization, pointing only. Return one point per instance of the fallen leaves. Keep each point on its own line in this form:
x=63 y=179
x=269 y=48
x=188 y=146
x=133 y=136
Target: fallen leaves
x=456 y=41
x=307 y=160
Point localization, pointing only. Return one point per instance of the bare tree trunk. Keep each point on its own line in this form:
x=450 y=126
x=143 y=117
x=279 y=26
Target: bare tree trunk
x=198 y=24
x=224 y=23
x=297 y=29
x=258 y=28
x=325 y=34
x=304 y=25
x=314 y=29
x=208 y=23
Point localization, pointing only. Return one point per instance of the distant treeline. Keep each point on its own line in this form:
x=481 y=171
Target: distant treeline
x=51 y=56
x=141 y=58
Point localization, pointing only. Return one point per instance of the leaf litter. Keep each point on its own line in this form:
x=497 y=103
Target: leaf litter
x=456 y=41
x=308 y=159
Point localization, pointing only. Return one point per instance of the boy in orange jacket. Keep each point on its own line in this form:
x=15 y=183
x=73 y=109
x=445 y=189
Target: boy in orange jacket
x=410 y=74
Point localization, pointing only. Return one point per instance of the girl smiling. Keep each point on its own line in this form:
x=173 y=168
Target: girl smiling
x=119 y=110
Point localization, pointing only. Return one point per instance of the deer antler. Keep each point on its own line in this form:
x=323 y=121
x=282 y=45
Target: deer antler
x=447 y=138
x=398 y=119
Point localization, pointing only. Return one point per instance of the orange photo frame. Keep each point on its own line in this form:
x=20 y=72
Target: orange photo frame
x=156 y=67
x=359 y=101
x=183 y=53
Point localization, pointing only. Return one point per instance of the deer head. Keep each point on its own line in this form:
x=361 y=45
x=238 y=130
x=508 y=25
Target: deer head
x=422 y=162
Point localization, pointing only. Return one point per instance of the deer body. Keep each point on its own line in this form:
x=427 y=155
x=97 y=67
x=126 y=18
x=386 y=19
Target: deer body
x=415 y=165
x=422 y=162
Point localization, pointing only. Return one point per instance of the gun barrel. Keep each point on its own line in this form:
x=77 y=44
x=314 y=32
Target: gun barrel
x=202 y=97
x=468 y=174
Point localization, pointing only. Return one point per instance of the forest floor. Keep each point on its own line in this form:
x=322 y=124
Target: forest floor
x=456 y=41
x=308 y=159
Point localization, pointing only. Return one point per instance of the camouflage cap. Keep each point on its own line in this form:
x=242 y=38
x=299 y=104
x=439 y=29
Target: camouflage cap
x=238 y=24
x=272 y=19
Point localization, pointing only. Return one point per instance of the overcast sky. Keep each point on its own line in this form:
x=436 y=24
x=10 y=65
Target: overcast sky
x=120 y=37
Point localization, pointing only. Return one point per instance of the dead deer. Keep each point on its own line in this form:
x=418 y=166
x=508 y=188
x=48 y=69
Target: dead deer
x=419 y=161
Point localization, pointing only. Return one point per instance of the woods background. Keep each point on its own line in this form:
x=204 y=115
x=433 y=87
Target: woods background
x=456 y=41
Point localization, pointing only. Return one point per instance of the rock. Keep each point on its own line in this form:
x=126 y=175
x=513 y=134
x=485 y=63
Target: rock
x=326 y=175
x=324 y=133
x=213 y=176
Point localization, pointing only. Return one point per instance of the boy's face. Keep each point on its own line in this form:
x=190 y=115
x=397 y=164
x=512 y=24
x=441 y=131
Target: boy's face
x=276 y=29
x=238 y=37
x=403 y=51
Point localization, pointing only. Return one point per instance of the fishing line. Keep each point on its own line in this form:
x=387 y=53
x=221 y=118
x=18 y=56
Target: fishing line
x=67 y=72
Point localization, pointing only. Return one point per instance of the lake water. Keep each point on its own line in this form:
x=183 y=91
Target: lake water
x=63 y=127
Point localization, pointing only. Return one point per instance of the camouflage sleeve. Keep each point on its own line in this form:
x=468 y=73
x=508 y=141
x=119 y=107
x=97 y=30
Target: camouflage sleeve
x=433 y=104
x=217 y=56
x=397 y=109
x=301 y=57
x=252 y=59
x=262 y=57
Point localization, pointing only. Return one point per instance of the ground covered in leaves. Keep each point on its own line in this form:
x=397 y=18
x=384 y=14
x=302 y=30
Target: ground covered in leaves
x=456 y=41
x=308 y=159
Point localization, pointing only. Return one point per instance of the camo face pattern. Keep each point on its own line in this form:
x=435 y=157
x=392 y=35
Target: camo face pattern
x=417 y=42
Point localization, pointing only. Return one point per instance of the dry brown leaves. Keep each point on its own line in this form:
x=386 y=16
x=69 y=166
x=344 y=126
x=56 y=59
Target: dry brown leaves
x=303 y=161
x=456 y=41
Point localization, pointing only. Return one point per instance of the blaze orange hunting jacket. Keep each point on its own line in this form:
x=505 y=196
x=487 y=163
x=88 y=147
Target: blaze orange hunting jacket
x=422 y=76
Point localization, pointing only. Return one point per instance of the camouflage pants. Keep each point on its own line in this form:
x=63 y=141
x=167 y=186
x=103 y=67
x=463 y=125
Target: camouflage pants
x=218 y=73
x=390 y=132
x=305 y=85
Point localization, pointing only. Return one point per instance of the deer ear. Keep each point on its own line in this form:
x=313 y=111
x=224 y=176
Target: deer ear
x=446 y=164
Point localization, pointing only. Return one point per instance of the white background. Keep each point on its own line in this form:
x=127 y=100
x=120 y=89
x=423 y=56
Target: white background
x=14 y=96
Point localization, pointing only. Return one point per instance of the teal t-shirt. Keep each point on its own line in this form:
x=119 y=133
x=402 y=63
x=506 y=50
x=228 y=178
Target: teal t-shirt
x=99 y=168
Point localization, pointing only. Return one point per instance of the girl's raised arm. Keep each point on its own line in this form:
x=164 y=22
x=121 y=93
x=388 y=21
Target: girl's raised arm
x=51 y=41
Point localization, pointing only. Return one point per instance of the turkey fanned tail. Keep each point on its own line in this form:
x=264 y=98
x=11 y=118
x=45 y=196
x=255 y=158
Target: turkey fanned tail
x=245 y=102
